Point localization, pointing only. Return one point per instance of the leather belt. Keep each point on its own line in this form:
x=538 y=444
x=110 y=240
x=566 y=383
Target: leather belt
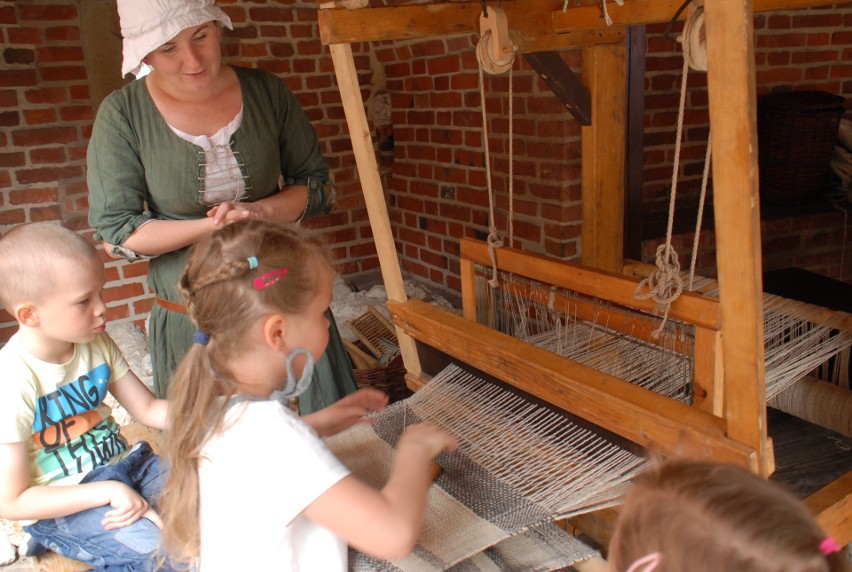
x=171 y=305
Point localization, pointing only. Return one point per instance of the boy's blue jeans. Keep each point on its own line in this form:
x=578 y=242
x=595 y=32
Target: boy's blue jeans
x=133 y=548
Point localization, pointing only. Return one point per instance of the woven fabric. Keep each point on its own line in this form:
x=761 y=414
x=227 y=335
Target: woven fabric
x=475 y=518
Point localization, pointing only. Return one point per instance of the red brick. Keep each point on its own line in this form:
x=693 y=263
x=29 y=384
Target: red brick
x=38 y=214
x=817 y=21
x=13 y=159
x=44 y=136
x=47 y=95
x=49 y=155
x=117 y=312
x=54 y=54
x=24 y=35
x=76 y=113
x=12 y=216
x=63 y=73
x=21 y=56
x=143 y=307
x=271 y=15
x=8 y=98
x=34 y=196
x=48 y=13
x=10 y=119
x=811 y=57
x=123 y=292
x=7 y=15
x=17 y=78
x=47 y=174
x=40 y=116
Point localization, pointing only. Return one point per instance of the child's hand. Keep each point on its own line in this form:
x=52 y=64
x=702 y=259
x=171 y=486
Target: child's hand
x=347 y=411
x=128 y=506
x=154 y=517
x=430 y=439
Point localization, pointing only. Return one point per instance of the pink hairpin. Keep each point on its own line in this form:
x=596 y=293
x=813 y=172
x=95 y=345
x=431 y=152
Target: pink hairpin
x=828 y=546
x=646 y=564
x=270 y=278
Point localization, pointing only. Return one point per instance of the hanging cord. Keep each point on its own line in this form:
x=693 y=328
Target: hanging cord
x=664 y=285
x=512 y=163
x=700 y=218
x=494 y=241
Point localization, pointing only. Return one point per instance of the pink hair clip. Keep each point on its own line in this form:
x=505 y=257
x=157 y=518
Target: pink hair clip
x=270 y=278
x=828 y=546
x=646 y=564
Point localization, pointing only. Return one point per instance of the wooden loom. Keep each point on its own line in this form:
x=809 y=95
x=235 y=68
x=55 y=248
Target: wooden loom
x=728 y=421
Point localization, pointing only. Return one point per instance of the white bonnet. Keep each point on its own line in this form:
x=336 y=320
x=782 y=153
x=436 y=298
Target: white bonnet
x=148 y=24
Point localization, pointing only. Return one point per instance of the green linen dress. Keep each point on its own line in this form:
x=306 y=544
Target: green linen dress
x=141 y=170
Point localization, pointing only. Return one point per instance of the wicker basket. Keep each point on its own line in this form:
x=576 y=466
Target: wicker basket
x=389 y=378
x=797 y=131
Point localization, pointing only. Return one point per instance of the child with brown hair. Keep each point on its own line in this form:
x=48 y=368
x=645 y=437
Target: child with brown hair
x=66 y=471
x=252 y=485
x=694 y=516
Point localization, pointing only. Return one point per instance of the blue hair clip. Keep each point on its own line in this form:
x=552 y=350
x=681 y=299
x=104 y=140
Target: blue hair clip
x=200 y=337
x=252 y=260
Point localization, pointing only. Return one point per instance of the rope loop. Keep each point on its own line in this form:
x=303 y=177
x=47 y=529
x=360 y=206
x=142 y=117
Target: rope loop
x=494 y=242
x=664 y=284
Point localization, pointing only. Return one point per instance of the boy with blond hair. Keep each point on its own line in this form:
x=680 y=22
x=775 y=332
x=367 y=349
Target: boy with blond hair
x=66 y=472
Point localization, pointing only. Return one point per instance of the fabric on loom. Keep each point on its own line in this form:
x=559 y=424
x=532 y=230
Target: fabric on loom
x=518 y=467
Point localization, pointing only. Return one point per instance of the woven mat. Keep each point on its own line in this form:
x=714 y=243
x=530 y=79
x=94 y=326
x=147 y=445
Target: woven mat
x=474 y=520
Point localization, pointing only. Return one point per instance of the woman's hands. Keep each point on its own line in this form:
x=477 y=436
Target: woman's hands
x=346 y=412
x=232 y=211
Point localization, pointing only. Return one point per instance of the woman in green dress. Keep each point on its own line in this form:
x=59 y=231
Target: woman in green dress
x=193 y=145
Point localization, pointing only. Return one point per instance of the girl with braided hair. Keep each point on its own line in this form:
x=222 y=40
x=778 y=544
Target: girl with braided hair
x=252 y=484
x=711 y=517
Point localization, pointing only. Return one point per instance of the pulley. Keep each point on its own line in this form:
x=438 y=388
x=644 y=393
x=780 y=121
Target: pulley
x=495 y=50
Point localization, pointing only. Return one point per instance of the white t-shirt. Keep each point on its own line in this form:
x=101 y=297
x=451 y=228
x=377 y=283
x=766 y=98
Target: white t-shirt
x=255 y=479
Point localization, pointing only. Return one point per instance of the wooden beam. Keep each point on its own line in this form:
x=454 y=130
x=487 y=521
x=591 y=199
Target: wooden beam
x=642 y=416
x=535 y=25
x=603 y=152
x=635 y=12
x=832 y=507
x=635 y=152
x=529 y=24
x=733 y=128
x=612 y=286
x=564 y=83
x=371 y=185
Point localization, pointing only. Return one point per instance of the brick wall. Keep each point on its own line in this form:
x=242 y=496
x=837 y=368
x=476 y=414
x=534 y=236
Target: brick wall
x=423 y=100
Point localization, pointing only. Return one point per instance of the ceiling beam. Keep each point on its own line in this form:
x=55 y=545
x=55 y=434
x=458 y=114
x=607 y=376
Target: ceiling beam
x=534 y=25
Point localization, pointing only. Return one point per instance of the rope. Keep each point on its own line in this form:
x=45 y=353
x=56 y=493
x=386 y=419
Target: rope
x=512 y=164
x=700 y=218
x=494 y=241
x=664 y=284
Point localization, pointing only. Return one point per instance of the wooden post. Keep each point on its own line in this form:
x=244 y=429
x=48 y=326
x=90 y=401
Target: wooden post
x=371 y=185
x=733 y=127
x=603 y=151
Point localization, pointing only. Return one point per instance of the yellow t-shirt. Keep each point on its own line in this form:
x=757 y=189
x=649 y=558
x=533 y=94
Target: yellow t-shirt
x=59 y=410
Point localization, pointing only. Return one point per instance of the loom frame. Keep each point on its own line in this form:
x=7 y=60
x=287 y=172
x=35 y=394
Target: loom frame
x=732 y=422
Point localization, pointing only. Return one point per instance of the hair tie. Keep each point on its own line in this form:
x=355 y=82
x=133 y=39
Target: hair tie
x=270 y=278
x=828 y=546
x=252 y=260
x=201 y=338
